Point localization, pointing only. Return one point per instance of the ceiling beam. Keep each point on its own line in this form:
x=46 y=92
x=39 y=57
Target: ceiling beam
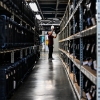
x=57 y=4
x=49 y=24
x=50 y=12
x=52 y=0
x=46 y=3
x=47 y=0
x=53 y=12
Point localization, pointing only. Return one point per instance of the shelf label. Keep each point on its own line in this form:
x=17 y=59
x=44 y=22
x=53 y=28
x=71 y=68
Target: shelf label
x=26 y=52
x=6 y=76
x=30 y=50
x=12 y=17
x=12 y=57
x=21 y=53
x=14 y=71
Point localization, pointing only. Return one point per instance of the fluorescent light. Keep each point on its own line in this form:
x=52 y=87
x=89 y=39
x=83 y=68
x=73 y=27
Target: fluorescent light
x=38 y=17
x=33 y=6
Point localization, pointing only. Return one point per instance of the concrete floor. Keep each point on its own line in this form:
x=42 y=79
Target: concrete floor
x=47 y=81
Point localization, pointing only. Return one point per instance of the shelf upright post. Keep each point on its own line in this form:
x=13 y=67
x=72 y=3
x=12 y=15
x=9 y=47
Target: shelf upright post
x=65 y=23
x=81 y=50
x=73 y=41
x=63 y=33
x=98 y=49
x=69 y=59
x=66 y=51
x=69 y=22
x=34 y=34
x=69 y=41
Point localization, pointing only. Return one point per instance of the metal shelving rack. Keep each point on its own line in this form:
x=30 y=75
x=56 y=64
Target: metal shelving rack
x=29 y=27
x=64 y=48
x=28 y=54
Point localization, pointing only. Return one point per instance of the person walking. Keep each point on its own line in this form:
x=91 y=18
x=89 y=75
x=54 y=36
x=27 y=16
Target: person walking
x=51 y=42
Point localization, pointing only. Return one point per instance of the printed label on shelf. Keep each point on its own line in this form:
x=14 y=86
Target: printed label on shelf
x=26 y=52
x=12 y=57
x=95 y=64
x=14 y=71
x=21 y=53
x=94 y=92
x=92 y=48
x=11 y=73
x=88 y=47
x=6 y=76
x=14 y=84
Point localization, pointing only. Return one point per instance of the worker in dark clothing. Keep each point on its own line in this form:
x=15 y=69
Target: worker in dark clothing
x=50 y=42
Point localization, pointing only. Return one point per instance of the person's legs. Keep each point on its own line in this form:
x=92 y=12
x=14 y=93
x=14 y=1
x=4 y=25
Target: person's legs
x=50 y=51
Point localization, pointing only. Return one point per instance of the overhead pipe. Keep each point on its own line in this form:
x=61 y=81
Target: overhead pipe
x=56 y=8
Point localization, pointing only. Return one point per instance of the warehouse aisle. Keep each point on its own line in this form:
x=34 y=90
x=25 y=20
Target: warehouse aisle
x=46 y=82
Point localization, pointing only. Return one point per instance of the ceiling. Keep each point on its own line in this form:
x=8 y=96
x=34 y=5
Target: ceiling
x=51 y=11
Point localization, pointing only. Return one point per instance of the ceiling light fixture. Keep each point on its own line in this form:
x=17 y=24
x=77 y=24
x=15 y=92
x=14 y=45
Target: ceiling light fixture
x=38 y=17
x=34 y=7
